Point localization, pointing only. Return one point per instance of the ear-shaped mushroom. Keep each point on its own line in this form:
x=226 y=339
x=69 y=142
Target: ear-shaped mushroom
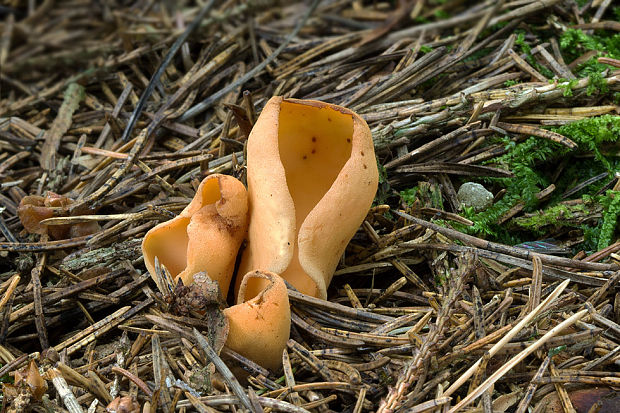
x=205 y=236
x=260 y=324
x=312 y=176
x=33 y=209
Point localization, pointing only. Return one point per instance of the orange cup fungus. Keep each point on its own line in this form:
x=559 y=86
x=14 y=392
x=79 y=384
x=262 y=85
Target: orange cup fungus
x=260 y=324
x=33 y=209
x=312 y=176
x=205 y=236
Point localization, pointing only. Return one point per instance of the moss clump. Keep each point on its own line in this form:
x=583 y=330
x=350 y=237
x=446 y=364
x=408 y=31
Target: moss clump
x=575 y=42
x=611 y=210
x=534 y=162
x=409 y=195
x=427 y=194
x=591 y=134
x=558 y=215
x=567 y=85
x=525 y=48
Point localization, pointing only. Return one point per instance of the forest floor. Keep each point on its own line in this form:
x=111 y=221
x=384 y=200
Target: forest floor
x=112 y=112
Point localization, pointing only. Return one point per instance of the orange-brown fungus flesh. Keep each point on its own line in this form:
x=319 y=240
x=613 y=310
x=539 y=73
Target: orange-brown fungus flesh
x=314 y=144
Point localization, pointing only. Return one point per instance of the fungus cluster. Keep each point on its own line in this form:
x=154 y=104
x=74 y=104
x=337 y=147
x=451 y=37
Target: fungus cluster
x=312 y=176
x=33 y=209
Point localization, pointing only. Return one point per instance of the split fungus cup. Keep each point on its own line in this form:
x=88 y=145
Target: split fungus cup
x=259 y=325
x=312 y=177
x=205 y=237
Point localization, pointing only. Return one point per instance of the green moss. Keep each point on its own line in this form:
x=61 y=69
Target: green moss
x=534 y=162
x=527 y=50
x=557 y=215
x=590 y=237
x=575 y=43
x=442 y=14
x=485 y=222
x=591 y=133
x=409 y=195
x=611 y=210
x=557 y=350
x=596 y=84
x=426 y=194
x=520 y=41
x=568 y=85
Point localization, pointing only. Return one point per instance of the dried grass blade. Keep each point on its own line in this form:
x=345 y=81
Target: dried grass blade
x=223 y=369
x=516 y=360
x=512 y=333
x=62 y=123
x=64 y=391
x=504 y=249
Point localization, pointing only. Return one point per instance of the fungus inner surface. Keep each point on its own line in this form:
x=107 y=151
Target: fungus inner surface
x=211 y=192
x=314 y=143
x=170 y=243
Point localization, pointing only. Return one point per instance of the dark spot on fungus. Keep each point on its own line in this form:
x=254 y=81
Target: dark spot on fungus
x=314 y=139
x=304 y=157
x=365 y=167
x=314 y=151
x=225 y=225
x=362 y=152
x=348 y=140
